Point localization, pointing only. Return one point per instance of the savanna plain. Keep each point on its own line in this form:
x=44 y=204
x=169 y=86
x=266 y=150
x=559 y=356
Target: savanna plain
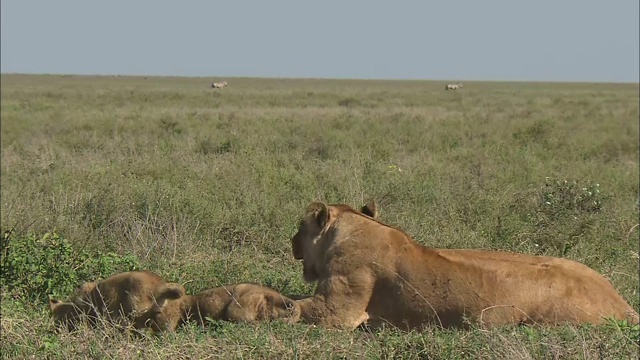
x=206 y=187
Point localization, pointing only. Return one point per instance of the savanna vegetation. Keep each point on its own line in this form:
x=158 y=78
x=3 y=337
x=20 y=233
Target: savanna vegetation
x=206 y=186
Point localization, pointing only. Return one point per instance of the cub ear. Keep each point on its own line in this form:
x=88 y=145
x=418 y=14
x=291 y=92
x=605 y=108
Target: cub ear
x=53 y=303
x=168 y=291
x=87 y=287
x=370 y=209
x=320 y=211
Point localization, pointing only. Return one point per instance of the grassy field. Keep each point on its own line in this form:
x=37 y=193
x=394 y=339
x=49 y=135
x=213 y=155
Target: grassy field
x=206 y=188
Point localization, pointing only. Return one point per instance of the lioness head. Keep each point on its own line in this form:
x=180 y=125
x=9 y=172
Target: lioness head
x=317 y=219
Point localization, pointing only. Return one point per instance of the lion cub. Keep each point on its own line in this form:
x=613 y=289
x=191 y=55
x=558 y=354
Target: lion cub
x=236 y=303
x=124 y=298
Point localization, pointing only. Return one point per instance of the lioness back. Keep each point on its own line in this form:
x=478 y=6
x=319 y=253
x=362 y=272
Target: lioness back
x=544 y=290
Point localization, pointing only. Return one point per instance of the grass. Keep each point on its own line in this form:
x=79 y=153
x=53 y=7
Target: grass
x=206 y=187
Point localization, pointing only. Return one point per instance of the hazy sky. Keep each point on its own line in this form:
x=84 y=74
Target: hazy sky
x=559 y=40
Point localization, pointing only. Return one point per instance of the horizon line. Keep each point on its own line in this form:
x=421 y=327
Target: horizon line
x=319 y=78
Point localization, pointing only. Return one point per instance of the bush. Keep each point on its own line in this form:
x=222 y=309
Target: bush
x=33 y=267
x=349 y=102
x=563 y=213
x=559 y=198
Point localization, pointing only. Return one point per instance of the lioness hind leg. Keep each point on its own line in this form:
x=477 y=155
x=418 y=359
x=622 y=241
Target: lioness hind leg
x=499 y=315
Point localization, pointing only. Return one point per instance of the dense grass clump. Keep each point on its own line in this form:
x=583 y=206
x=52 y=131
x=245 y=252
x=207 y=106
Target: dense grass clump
x=206 y=187
x=34 y=268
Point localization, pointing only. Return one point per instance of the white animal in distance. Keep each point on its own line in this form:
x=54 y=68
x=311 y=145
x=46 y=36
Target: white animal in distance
x=219 y=85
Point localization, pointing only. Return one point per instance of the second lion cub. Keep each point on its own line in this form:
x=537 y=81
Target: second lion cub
x=235 y=303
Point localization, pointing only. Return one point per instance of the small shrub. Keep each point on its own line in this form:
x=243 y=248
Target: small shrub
x=630 y=331
x=34 y=267
x=534 y=133
x=349 y=102
x=563 y=213
x=557 y=198
x=170 y=126
x=99 y=210
x=224 y=148
x=210 y=147
x=321 y=149
x=206 y=146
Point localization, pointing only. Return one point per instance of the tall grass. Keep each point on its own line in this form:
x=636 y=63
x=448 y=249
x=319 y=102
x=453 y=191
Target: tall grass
x=206 y=186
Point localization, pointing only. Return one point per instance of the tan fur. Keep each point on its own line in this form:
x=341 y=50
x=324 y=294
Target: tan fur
x=368 y=270
x=236 y=303
x=124 y=298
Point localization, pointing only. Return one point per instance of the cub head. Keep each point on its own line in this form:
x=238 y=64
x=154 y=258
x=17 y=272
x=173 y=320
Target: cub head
x=68 y=313
x=316 y=220
x=63 y=313
x=166 y=313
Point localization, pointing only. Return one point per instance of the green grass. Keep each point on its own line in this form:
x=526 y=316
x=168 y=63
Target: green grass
x=206 y=187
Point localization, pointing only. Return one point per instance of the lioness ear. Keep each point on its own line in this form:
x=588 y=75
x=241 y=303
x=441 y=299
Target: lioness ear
x=370 y=209
x=320 y=211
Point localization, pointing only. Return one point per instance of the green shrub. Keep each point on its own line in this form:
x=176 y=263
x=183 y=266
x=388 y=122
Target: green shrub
x=561 y=214
x=629 y=330
x=349 y=102
x=34 y=267
x=559 y=198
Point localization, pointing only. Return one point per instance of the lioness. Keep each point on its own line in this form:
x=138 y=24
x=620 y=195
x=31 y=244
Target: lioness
x=122 y=298
x=368 y=270
x=236 y=303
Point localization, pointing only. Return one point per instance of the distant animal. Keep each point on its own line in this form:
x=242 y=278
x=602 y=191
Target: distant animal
x=453 y=86
x=124 y=298
x=244 y=303
x=219 y=85
x=366 y=270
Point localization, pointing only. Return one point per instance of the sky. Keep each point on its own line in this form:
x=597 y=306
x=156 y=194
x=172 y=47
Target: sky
x=525 y=40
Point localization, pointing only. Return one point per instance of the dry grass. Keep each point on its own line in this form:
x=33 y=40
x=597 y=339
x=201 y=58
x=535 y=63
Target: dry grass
x=206 y=186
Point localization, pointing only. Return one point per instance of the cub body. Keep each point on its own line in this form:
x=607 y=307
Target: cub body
x=236 y=303
x=123 y=298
